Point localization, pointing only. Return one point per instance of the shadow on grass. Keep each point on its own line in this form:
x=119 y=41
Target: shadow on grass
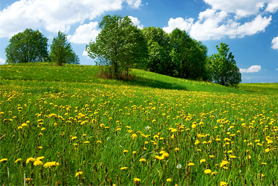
x=144 y=82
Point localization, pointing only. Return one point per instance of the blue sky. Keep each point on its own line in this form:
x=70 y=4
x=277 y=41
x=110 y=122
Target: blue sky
x=249 y=27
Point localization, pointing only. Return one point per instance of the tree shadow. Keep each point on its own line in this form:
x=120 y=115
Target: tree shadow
x=144 y=82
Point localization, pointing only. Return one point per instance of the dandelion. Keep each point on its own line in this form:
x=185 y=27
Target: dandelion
x=86 y=142
x=99 y=142
x=136 y=181
x=211 y=156
x=213 y=173
x=179 y=166
x=17 y=160
x=142 y=160
x=169 y=180
x=191 y=164
x=267 y=150
x=40 y=158
x=202 y=161
x=4 y=160
x=124 y=168
x=133 y=152
x=207 y=171
x=78 y=174
x=193 y=126
x=159 y=157
x=222 y=183
x=134 y=136
x=125 y=151
x=30 y=160
x=51 y=164
x=147 y=127
x=38 y=162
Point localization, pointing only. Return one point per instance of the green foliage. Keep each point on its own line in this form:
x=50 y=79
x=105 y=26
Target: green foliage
x=120 y=44
x=27 y=46
x=159 y=47
x=225 y=71
x=61 y=51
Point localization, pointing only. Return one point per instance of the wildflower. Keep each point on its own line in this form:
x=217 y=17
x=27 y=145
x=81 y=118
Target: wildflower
x=211 y=156
x=147 y=127
x=207 y=171
x=133 y=152
x=124 y=168
x=40 y=158
x=267 y=150
x=24 y=125
x=18 y=160
x=73 y=137
x=142 y=160
x=213 y=173
x=86 y=142
x=38 y=162
x=177 y=149
x=191 y=164
x=159 y=157
x=30 y=160
x=125 y=151
x=223 y=163
x=78 y=174
x=50 y=164
x=222 y=183
x=263 y=163
x=136 y=181
x=19 y=128
x=4 y=160
x=179 y=166
x=169 y=180
x=134 y=136
x=165 y=155
x=193 y=126
x=202 y=160
x=99 y=142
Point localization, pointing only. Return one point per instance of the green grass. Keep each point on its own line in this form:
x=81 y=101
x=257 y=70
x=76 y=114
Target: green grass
x=44 y=107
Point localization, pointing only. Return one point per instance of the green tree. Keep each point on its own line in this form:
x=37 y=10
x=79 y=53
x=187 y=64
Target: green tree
x=225 y=71
x=120 y=45
x=27 y=46
x=188 y=55
x=159 y=47
x=61 y=51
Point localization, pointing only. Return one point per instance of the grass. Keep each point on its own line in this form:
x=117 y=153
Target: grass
x=153 y=128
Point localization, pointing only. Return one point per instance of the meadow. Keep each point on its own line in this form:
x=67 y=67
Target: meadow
x=66 y=126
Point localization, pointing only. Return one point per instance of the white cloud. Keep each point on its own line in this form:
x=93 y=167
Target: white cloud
x=277 y=69
x=214 y=25
x=253 y=68
x=136 y=22
x=54 y=15
x=134 y=3
x=243 y=8
x=275 y=43
x=272 y=6
x=183 y=24
x=85 y=33
x=85 y=53
x=2 y=61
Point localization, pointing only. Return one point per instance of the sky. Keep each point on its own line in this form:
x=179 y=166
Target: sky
x=249 y=27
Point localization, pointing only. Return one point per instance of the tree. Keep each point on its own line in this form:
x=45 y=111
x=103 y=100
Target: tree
x=188 y=55
x=61 y=51
x=225 y=71
x=27 y=46
x=120 y=45
x=159 y=47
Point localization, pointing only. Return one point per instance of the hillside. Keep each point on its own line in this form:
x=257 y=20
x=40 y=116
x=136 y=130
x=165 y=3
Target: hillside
x=88 y=74
x=64 y=125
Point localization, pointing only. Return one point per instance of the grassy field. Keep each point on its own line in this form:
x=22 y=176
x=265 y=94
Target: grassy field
x=64 y=125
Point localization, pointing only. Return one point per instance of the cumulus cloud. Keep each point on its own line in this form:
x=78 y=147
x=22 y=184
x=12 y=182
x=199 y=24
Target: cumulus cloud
x=253 y=68
x=54 y=15
x=214 y=25
x=134 y=3
x=136 y=22
x=183 y=24
x=85 y=33
x=85 y=53
x=243 y=8
x=275 y=43
x=2 y=61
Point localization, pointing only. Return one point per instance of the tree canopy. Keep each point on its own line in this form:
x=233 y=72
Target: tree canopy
x=61 y=51
x=27 y=46
x=225 y=71
x=120 y=44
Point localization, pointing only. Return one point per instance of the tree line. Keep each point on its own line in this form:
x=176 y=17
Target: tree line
x=31 y=46
x=120 y=46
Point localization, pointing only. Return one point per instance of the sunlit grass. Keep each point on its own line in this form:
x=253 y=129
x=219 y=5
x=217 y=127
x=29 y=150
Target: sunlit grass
x=85 y=130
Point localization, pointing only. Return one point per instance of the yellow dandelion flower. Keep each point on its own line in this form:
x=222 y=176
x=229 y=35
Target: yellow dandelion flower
x=86 y=142
x=202 y=161
x=125 y=151
x=169 y=180
x=124 y=168
x=267 y=150
x=207 y=171
x=17 y=160
x=78 y=174
x=136 y=181
x=134 y=136
x=38 y=162
x=191 y=164
x=4 y=160
x=99 y=142
x=40 y=158
x=142 y=160
x=30 y=160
